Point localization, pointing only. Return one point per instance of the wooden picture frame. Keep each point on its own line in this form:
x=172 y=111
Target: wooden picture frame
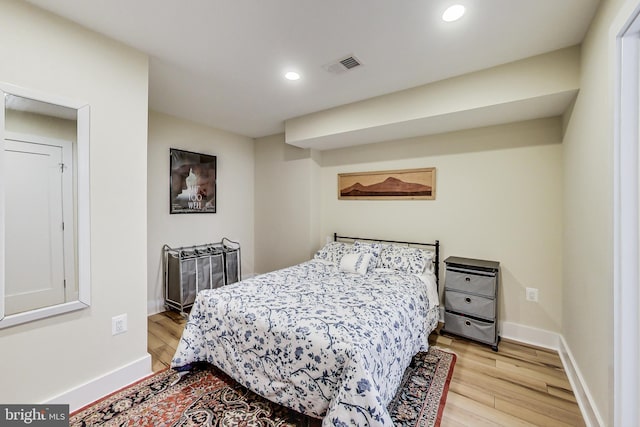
x=192 y=182
x=406 y=184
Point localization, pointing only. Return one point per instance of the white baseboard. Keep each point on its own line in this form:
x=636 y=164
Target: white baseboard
x=529 y=335
x=589 y=411
x=99 y=387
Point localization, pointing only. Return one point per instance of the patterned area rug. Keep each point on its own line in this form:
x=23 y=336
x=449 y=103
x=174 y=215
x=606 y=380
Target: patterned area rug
x=208 y=397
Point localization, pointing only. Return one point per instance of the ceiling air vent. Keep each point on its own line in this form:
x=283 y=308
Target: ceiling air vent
x=342 y=65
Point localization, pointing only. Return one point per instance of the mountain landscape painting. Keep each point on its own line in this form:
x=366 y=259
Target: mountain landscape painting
x=411 y=184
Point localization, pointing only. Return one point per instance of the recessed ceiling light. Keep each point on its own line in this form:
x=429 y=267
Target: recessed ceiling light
x=453 y=13
x=292 y=75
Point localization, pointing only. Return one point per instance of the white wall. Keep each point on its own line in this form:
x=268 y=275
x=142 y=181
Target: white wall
x=287 y=204
x=235 y=195
x=588 y=233
x=42 y=359
x=37 y=124
x=498 y=197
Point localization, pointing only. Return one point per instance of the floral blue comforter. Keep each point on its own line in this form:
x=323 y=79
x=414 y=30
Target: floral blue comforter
x=322 y=342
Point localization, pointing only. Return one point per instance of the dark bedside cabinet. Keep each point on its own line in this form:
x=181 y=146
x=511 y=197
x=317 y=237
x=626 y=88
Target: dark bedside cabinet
x=471 y=299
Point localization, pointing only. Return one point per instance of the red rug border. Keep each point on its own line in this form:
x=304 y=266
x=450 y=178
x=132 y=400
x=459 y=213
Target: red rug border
x=445 y=390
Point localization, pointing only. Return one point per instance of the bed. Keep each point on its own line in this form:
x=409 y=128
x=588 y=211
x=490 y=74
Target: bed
x=330 y=337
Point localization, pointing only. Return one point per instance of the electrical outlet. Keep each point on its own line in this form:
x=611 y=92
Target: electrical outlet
x=119 y=324
x=532 y=294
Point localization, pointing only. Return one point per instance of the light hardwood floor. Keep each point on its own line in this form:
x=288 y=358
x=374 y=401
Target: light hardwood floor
x=519 y=385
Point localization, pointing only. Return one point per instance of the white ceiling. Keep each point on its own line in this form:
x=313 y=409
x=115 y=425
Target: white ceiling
x=221 y=62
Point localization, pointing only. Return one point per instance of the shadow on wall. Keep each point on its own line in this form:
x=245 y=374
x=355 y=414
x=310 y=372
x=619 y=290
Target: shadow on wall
x=292 y=152
x=155 y=300
x=513 y=135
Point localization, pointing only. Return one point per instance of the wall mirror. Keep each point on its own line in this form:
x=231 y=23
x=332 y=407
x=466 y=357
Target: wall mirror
x=44 y=206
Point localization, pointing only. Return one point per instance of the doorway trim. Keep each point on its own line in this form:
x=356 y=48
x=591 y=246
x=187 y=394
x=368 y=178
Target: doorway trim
x=626 y=217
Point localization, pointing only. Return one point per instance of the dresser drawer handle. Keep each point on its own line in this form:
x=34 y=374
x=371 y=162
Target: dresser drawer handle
x=467 y=300
x=467 y=323
x=467 y=279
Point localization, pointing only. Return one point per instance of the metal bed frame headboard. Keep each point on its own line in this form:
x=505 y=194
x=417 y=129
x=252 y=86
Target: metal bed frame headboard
x=436 y=245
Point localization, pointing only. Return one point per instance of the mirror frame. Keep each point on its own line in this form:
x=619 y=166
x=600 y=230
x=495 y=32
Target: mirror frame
x=83 y=241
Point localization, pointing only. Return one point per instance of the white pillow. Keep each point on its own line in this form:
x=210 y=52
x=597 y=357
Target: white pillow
x=355 y=263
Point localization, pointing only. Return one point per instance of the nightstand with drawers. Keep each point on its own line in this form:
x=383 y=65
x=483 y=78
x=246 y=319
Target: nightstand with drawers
x=471 y=299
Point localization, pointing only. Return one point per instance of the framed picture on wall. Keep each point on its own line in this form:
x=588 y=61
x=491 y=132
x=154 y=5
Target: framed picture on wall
x=406 y=184
x=192 y=182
